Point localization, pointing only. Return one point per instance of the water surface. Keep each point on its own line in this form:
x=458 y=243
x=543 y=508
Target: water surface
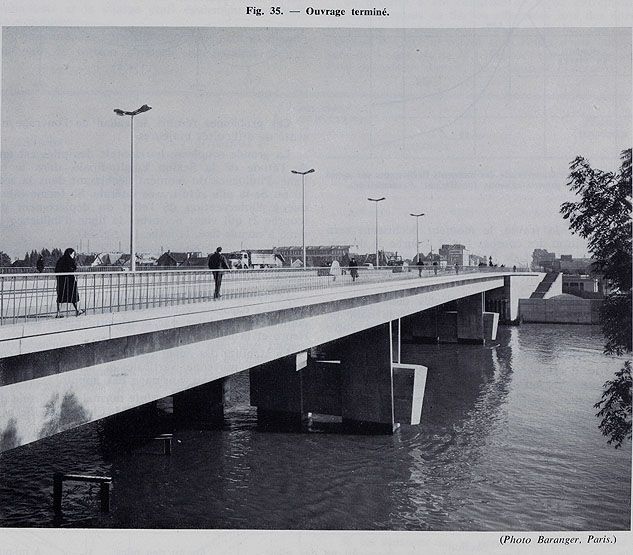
x=508 y=441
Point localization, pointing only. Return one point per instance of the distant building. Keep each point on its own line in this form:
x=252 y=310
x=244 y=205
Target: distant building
x=172 y=259
x=85 y=259
x=476 y=260
x=107 y=259
x=542 y=259
x=196 y=261
x=455 y=254
x=569 y=265
x=322 y=255
x=581 y=286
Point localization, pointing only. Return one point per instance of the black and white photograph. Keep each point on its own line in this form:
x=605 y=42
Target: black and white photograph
x=328 y=268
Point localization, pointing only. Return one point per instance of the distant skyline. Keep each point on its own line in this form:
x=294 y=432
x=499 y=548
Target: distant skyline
x=474 y=127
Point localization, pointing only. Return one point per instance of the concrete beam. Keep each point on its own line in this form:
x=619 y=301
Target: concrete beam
x=408 y=297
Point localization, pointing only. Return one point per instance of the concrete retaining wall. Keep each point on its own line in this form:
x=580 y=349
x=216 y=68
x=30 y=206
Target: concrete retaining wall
x=519 y=287
x=560 y=311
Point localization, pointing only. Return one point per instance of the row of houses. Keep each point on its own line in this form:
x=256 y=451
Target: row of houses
x=316 y=256
x=319 y=255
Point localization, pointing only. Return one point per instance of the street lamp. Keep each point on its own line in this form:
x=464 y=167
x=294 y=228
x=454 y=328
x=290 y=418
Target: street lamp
x=376 y=200
x=417 y=234
x=119 y=112
x=303 y=211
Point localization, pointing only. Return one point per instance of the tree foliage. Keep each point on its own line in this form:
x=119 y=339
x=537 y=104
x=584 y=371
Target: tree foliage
x=615 y=407
x=602 y=215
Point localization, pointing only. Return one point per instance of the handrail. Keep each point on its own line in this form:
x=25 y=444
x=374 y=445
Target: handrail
x=31 y=297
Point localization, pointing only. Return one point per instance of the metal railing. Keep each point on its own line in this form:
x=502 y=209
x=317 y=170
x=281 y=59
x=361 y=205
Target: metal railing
x=51 y=269
x=31 y=297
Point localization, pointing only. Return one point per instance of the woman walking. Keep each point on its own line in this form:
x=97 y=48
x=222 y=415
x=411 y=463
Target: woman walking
x=67 y=285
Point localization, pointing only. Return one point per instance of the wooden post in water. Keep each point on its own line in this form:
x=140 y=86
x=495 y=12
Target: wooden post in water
x=58 y=484
x=58 y=481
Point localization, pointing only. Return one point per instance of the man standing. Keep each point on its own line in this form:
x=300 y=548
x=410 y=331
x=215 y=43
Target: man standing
x=353 y=268
x=217 y=261
x=420 y=265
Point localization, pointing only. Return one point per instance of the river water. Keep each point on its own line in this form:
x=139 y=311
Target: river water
x=508 y=441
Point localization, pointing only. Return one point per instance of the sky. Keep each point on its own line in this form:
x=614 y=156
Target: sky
x=474 y=127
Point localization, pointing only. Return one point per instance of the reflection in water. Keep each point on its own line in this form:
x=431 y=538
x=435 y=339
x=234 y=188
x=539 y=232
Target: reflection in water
x=508 y=440
x=466 y=389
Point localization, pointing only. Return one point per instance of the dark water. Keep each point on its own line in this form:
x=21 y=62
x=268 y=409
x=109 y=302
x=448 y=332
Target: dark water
x=508 y=441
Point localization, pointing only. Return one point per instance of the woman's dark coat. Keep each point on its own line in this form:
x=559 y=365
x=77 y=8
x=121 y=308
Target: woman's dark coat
x=66 y=285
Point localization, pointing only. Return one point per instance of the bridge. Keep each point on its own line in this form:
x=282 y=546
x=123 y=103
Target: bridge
x=314 y=342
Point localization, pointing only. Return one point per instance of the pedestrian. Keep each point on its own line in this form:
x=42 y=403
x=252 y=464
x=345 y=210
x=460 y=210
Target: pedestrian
x=67 y=284
x=514 y=268
x=420 y=264
x=40 y=264
x=217 y=261
x=435 y=267
x=335 y=269
x=456 y=267
x=353 y=269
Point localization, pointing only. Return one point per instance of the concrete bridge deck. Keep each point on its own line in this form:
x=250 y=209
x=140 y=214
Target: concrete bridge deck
x=56 y=374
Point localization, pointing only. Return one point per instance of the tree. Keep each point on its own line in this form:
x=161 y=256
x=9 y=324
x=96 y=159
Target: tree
x=603 y=217
x=5 y=259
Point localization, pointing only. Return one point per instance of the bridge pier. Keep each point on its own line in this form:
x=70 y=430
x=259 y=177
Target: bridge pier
x=367 y=380
x=470 y=319
x=276 y=391
x=204 y=403
x=358 y=377
x=460 y=321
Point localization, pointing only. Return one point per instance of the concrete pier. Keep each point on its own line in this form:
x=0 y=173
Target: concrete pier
x=470 y=319
x=276 y=391
x=460 y=321
x=204 y=403
x=366 y=381
x=352 y=377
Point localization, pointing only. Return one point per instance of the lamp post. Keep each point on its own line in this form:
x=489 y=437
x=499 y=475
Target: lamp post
x=119 y=112
x=376 y=200
x=417 y=234
x=303 y=209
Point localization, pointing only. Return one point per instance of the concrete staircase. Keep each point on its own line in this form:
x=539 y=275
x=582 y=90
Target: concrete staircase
x=544 y=286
